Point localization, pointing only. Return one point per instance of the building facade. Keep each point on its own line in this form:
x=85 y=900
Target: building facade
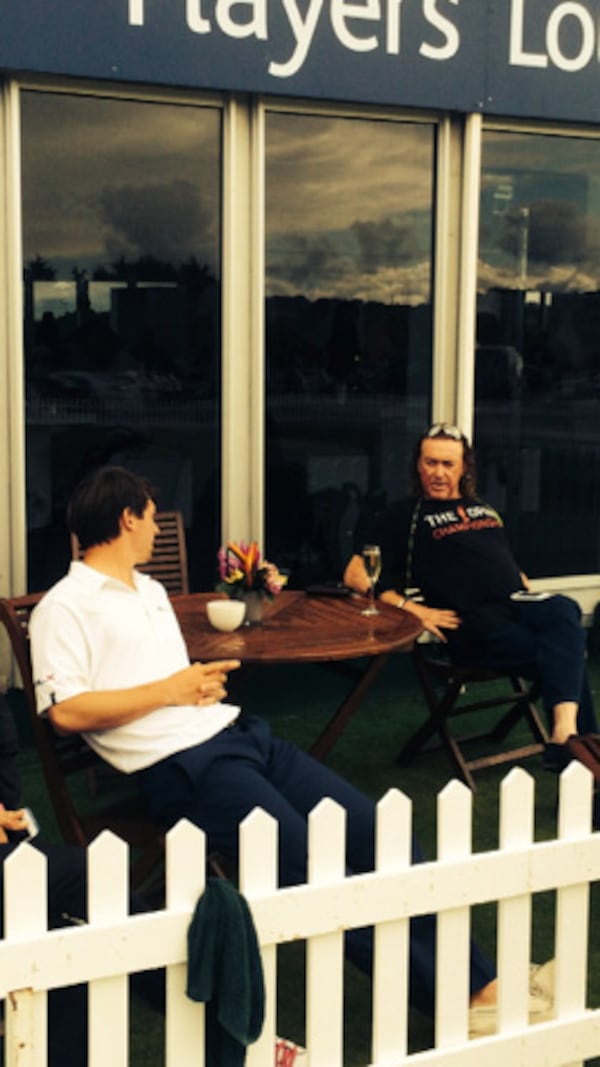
x=251 y=248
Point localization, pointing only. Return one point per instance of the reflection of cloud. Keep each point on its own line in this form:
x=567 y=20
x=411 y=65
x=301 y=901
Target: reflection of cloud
x=409 y=286
x=303 y=257
x=324 y=172
x=370 y=260
x=76 y=146
x=385 y=241
x=57 y=297
x=348 y=208
x=558 y=279
x=164 y=220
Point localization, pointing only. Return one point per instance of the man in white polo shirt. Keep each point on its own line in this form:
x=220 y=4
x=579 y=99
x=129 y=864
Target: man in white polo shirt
x=110 y=663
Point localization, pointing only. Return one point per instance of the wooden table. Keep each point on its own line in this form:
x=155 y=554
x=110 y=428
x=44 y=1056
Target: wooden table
x=297 y=628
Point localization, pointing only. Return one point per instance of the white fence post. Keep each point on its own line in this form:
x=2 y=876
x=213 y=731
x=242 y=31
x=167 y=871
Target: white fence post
x=108 y=999
x=453 y=926
x=325 y=953
x=514 y=912
x=573 y=901
x=186 y=878
x=391 y=939
x=258 y=876
x=25 y=915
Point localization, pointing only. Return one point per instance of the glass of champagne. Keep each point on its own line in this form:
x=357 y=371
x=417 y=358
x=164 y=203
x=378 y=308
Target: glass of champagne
x=371 y=555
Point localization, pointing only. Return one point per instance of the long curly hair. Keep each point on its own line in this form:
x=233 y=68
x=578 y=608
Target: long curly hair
x=443 y=430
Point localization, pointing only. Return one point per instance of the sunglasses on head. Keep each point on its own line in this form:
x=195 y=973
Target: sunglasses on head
x=448 y=431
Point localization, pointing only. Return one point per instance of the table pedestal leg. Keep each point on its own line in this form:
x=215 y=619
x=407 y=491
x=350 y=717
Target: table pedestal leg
x=337 y=723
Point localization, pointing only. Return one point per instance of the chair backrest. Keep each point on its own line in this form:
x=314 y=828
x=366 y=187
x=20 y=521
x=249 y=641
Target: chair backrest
x=169 y=558
x=62 y=757
x=59 y=757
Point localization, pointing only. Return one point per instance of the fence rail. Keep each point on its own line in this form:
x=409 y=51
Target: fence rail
x=112 y=945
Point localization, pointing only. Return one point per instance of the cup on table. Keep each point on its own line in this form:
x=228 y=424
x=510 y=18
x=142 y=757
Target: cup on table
x=225 y=615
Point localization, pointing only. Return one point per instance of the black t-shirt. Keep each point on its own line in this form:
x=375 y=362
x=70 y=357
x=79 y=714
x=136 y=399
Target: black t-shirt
x=455 y=551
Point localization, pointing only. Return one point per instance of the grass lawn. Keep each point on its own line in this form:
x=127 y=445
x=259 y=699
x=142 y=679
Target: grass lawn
x=297 y=702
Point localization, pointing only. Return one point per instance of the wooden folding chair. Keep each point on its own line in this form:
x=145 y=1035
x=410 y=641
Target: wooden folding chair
x=169 y=557
x=63 y=757
x=446 y=688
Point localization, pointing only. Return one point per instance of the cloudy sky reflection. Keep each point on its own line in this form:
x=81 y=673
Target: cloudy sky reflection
x=349 y=201
x=349 y=208
x=105 y=178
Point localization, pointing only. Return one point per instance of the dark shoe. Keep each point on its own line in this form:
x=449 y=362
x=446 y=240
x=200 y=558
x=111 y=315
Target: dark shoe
x=556 y=757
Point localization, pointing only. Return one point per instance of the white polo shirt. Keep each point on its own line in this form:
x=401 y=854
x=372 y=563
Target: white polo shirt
x=91 y=632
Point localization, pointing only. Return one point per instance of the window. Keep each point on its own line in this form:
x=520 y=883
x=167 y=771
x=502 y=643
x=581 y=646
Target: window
x=348 y=326
x=121 y=219
x=537 y=359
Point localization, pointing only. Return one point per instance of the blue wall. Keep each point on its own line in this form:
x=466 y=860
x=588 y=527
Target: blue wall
x=536 y=58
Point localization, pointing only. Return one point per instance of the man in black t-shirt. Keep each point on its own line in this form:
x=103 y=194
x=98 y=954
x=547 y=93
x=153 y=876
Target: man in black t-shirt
x=454 y=549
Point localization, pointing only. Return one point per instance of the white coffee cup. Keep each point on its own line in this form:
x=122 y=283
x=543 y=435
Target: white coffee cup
x=225 y=615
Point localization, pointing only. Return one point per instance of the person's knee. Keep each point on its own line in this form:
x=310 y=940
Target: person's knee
x=566 y=607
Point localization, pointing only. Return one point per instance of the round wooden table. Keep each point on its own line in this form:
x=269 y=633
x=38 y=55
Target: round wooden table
x=298 y=628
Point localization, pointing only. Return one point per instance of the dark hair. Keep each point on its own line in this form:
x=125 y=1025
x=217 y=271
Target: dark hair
x=95 y=508
x=467 y=484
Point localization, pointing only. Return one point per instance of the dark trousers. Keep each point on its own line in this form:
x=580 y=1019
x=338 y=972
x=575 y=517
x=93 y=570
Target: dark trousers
x=545 y=640
x=215 y=785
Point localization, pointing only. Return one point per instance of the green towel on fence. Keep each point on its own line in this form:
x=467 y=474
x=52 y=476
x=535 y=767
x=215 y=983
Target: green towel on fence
x=225 y=972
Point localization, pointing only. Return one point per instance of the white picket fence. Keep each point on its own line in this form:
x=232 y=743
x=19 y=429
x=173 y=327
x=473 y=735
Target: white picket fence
x=113 y=944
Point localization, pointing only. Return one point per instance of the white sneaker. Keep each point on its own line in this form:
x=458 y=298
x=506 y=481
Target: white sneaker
x=542 y=979
x=483 y=1018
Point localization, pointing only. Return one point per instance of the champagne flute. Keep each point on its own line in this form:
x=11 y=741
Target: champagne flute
x=371 y=555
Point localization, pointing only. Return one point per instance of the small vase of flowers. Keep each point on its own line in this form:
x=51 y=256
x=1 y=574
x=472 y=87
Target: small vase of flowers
x=244 y=575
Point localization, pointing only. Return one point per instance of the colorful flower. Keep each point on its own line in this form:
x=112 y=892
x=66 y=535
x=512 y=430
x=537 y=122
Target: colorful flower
x=241 y=570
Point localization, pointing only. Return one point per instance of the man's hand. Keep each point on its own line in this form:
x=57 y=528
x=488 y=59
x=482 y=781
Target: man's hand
x=436 y=620
x=356 y=577
x=201 y=683
x=11 y=820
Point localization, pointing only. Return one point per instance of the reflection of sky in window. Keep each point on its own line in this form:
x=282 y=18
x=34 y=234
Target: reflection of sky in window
x=104 y=179
x=349 y=208
x=60 y=297
x=540 y=213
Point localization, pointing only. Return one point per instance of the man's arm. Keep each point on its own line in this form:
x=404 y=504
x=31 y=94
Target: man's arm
x=199 y=684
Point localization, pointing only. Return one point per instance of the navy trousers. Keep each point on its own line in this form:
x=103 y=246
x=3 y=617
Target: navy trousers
x=216 y=784
x=545 y=640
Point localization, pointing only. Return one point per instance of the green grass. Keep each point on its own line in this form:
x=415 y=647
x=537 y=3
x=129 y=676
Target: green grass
x=297 y=701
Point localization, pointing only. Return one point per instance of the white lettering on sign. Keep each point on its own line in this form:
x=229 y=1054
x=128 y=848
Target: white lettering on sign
x=341 y=10
x=256 y=26
x=136 y=12
x=588 y=36
x=194 y=18
x=585 y=26
x=249 y=18
x=446 y=28
x=303 y=31
x=571 y=38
